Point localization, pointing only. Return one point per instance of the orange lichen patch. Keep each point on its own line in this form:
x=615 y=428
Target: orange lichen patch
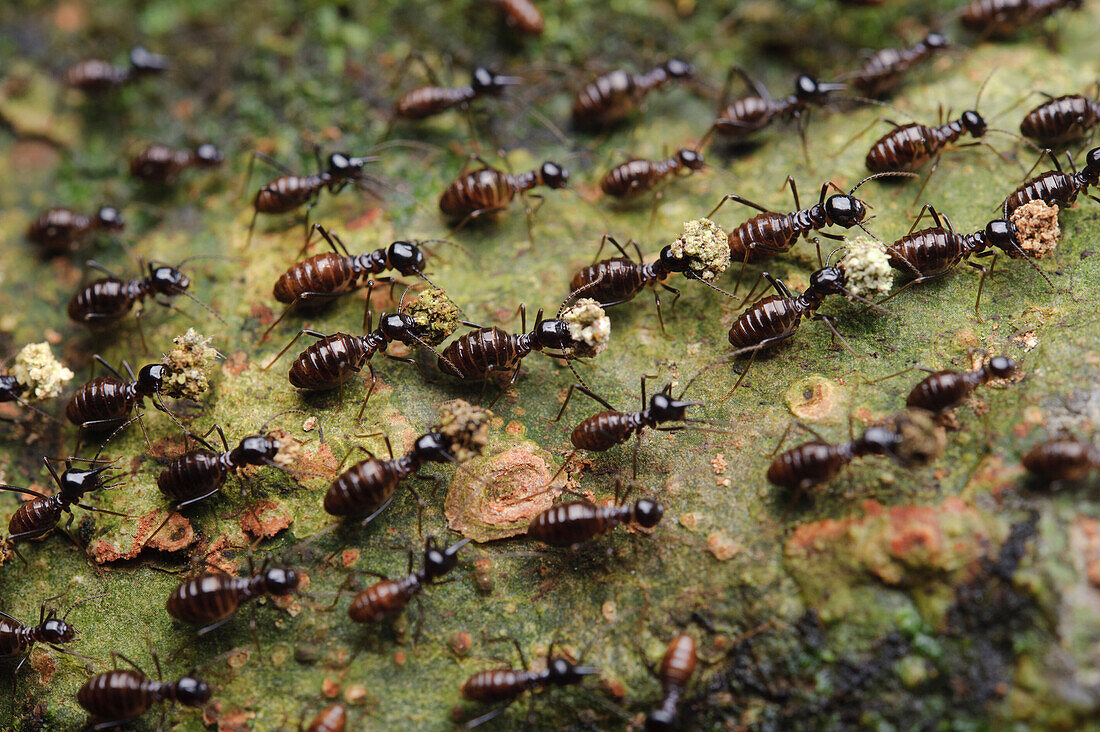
x=904 y=546
x=330 y=688
x=1085 y=538
x=993 y=476
x=349 y=557
x=44 y=665
x=817 y=399
x=460 y=642
x=514 y=428
x=722 y=546
x=265 y=518
x=236 y=363
x=367 y=219
x=719 y=464
x=234 y=720
x=176 y=535
x=496 y=497
x=213 y=556
x=261 y=312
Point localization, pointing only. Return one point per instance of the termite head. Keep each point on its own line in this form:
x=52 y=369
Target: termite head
x=880 y=440
x=146 y=62
x=809 y=89
x=936 y=40
x=397 y=327
x=281 y=580
x=406 y=257
x=346 y=166
x=10 y=388
x=486 y=82
x=208 y=156
x=678 y=69
x=255 y=450
x=437 y=561
x=1000 y=367
x=1092 y=164
x=553 y=333
x=75 y=482
x=192 y=692
x=828 y=281
x=1002 y=235
x=561 y=671
x=553 y=175
x=433 y=447
x=663 y=408
x=167 y=280
x=150 y=380
x=55 y=630
x=107 y=218
x=648 y=512
x=843 y=209
x=973 y=123
x=690 y=159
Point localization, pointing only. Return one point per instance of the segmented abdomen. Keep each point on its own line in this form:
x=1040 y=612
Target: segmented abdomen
x=904 y=148
x=362 y=488
x=102 y=398
x=481 y=190
x=1053 y=187
x=769 y=317
x=618 y=279
x=286 y=193
x=806 y=465
x=155 y=164
x=476 y=354
x=1060 y=120
x=603 y=431
x=192 y=475
x=94 y=76
x=745 y=116
x=382 y=600
x=13 y=640
x=328 y=363
x=568 y=524
x=428 y=101
x=116 y=695
x=632 y=178
x=327 y=272
x=939 y=391
x=101 y=301
x=495 y=685
x=928 y=251
x=36 y=518
x=56 y=228
x=205 y=599
x=523 y=15
x=1059 y=460
x=605 y=100
x=762 y=237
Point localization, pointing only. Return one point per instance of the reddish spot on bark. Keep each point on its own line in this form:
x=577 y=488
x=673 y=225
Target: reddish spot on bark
x=236 y=363
x=262 y=312
x=265 y=518
x=367 y=219
x=177 y=534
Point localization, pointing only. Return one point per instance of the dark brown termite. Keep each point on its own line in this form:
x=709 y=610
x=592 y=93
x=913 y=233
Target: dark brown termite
x=106 y=402
x=212 y=599
x=884 y=70
x=504 y=685
x=638 y=176
x=770 y=232
x=333 y=718
x=944 y=389
x=486 y=192
x=609 y=99
x=1056 y=187
x=115 y=697
x=17 y=639
x=521 y=15
x=435 y=99
x=1065 y=459
x=160 y=164
x=1002 y=18
x=320 y=279
x=1062 y=120
x=60 y=230
x=291 y=191
x=38 y=517
x=575 y=523
x=934 y=251
x=388 y=597
x=677 y=667
x=94 y=76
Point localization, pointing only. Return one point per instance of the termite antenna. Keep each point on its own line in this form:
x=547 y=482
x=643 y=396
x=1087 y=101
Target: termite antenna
x=887 y=174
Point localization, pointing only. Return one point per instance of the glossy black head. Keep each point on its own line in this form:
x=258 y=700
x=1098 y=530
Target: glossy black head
x=553 y=333
x=486 y=82
x=397 y=327
x=663 y=408
x=1092 y=163
x=1001 y=367
x=553 y=175
x=192 y=692
x=281 y=580
x=406 y=257
x=108 y=218
x=10 y=388
x=828 y=281
x=936 y=40
x=168 y=280
x=151 y=378
x=56 y=631
x=973 y=123
x=255 y=450
x=648 y=512
x=75 y=482
x=438 y=562
x=208 y=156
x=1002 y=235
x=678 y=69
x=433 y=447
x=880 y=440
x=560 y=671
x=145 y=62
x=346 y=166
x=671 y=263
x=809 y=89
x=845 y=210
x=691 y=159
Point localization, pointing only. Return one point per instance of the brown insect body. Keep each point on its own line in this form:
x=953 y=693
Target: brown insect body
x=908 y=147
x=289 y=191
x=884 y=69
x=576 y=522
x=745 y=116
x=490 y=190
x=95 y=76
x=504 y=684
x=429 y=101
x=214 y=597
x=1000 y=18
x=17 y=639
x=333 y=273
x=609 y=428
x=162 y=165
x=110 y=298
x=637 y=176
x=58 y=230
x=330 y=719
x=944 y=389
x=815 y=462
x=677 y=667
x=1062 y=459
x=200 y=473
x=387 y=597
x=610 y=98
x=777 y=317
x=522 y=15
x=477 y=354
x=368 y=486
x=1061 y=120
x=119 y=696
x=937 y=249
x=1056 y=187
x=105 y=402
x=333 y=359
